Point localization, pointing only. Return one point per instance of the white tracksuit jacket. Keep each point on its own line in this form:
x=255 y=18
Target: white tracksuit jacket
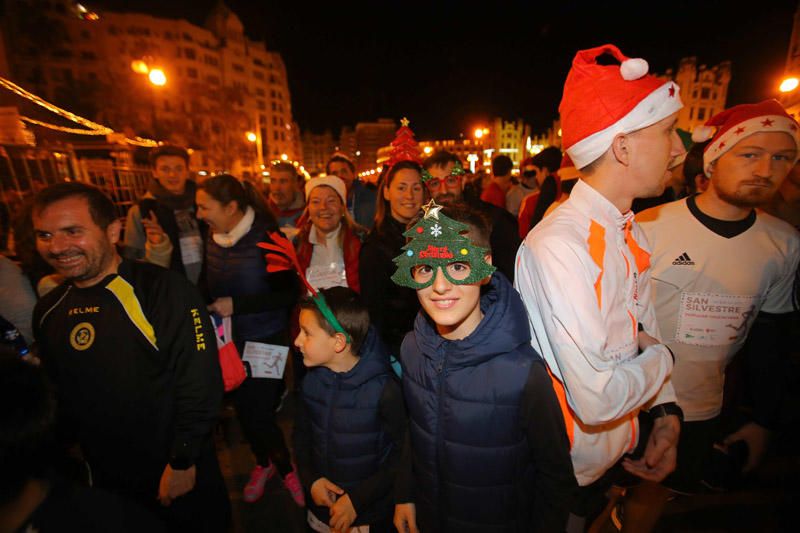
x=584 y=275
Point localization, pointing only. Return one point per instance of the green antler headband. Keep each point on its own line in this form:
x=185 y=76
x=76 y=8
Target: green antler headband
x=457 y=170
x=281 y=256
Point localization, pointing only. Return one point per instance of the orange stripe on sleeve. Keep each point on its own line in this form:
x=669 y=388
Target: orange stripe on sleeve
x=597 y=250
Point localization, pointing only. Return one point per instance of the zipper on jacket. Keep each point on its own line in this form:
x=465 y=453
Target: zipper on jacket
x=439 y=434
x=328 y=433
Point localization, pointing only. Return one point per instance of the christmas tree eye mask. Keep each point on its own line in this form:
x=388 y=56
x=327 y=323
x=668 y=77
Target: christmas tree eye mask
x=436 y=242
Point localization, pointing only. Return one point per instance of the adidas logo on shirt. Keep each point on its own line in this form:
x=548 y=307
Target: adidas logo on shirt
x=683 y=259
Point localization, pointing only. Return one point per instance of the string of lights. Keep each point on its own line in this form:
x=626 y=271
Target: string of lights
x=94 y=127
x=76 y=131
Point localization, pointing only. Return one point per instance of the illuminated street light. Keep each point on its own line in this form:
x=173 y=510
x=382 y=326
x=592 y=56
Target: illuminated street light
x=284 y=157
x=251 y=136
x=479 y=133
x=157 y=77
x=789 y=84
x=139 y=66
x=427 y=149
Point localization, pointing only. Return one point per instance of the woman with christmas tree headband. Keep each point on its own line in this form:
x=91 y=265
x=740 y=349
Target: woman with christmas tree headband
x=400 y=192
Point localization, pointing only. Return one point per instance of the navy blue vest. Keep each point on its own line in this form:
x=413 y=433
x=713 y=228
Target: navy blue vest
x=349 y=443
x=472 y=467
x=240 y=270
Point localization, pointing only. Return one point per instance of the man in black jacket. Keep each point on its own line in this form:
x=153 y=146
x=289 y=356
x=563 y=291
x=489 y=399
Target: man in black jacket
x=448 y=187
x=131 y=351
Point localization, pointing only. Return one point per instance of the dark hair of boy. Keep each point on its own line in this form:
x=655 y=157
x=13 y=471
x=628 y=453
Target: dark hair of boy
x=349 y=310
x=26 y=424
x=440 y=158
x=168 y=150
x=101 y=208
x=502 y=165
x=480 y=227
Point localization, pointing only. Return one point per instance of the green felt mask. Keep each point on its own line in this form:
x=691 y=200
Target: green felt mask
x=437 y=244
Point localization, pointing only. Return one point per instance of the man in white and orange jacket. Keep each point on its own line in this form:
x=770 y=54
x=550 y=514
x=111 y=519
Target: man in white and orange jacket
x=583 y=272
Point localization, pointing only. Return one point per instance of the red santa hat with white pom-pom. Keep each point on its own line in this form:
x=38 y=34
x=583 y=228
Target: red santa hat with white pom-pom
x=726 y=129
x=602 y=101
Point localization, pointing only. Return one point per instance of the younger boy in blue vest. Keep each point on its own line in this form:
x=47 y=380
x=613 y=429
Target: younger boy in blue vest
x=487 y=449
x=350 y=420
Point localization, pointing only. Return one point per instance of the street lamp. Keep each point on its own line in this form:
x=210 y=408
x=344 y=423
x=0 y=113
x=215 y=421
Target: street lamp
x=251 y=136
x=157 y=77
x=479 y=133
x=789 y=84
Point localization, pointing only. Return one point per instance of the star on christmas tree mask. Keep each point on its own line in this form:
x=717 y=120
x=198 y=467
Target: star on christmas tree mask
x=437 y=242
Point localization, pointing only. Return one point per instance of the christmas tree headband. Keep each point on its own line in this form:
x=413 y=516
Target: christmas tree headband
x=404 y=147
x=281 y=256
x=437 y=241
x=457 y=170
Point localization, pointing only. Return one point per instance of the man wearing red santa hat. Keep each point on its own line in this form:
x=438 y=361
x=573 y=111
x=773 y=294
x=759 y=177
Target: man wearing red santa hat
x=584 y=274
x=722 y=273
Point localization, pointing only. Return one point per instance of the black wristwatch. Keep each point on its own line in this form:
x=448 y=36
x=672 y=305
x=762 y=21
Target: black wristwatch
x=664 y=409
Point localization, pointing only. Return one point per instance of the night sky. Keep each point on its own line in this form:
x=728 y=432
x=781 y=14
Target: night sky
x=451 y=65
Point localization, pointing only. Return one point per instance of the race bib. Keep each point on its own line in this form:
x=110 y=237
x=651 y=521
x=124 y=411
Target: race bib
x=326 y=276
x=265 y=360
x=714 y=319
x=191 y=249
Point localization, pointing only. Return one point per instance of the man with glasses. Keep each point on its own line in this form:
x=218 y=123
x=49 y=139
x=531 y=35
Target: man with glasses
x=444 y=179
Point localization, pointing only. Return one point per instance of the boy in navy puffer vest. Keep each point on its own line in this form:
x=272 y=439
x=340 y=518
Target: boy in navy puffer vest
x=487 y=449
x=350 y=420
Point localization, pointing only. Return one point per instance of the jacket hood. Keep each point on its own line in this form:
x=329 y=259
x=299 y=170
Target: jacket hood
x=503 y=329
x=373 y=361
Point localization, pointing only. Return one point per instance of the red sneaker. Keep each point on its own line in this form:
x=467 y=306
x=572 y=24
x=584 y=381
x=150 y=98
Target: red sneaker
x=292 y=484
x=254 y=489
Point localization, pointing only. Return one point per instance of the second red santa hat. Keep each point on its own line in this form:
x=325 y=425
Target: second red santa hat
x=602 y=101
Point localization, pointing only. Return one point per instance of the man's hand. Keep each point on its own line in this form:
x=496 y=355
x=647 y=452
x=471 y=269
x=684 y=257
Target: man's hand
x=756 y=437
x=405 y=518
x=661 y=454
x=324 y=492
x=175 y=483
x=222 y=306
x=342 y=514
x=645 y=341
x=153 y=230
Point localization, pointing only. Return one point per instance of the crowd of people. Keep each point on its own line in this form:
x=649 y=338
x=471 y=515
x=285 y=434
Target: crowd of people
x=466 y=356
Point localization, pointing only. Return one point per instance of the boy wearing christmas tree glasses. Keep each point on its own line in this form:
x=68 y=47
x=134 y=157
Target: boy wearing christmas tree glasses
x=487 y=448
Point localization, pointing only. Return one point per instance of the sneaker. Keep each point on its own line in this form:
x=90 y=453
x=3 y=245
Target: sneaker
x=254 y=489
x=292 y=484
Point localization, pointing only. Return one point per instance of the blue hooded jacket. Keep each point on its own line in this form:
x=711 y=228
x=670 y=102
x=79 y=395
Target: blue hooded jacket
x=470 y=455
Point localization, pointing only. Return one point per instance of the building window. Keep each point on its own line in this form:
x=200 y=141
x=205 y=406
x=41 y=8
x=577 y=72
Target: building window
x=283 y=136
x=701 y=113
x=275 y=135
x=192 y=73
x=237 y=67
x=274 y=106
x=261 y=104
x=694 y=94
x=715 y=95
x=189 y=53
x=88 y=55
x=257 y=74
x=210 y=60
x=272 y=93
x=274 y=120
x=259 y=91
x=691 y=113
x=212 y=79
x=187 y=37
x=705 y=93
